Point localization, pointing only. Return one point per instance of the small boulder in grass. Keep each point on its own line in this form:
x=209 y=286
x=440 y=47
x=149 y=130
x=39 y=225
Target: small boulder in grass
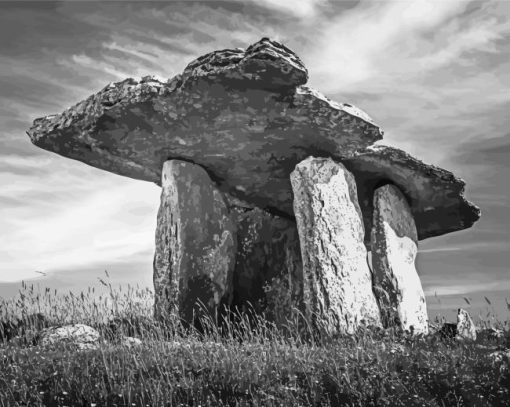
x=501 y=358
x=82 y=336
x=131 y=342
x=466 y=328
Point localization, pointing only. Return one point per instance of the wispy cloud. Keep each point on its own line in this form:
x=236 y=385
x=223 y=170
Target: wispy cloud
x=302 y=9
x=433 y=74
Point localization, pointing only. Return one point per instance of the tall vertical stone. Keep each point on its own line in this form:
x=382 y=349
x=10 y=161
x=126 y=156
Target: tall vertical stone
x=195 y=244
x=337 y=283
x=394 y=243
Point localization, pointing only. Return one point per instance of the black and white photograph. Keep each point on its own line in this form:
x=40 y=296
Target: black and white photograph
x=255 y=203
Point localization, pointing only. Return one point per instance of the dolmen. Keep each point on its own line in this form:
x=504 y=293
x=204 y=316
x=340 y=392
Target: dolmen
x=272 y=195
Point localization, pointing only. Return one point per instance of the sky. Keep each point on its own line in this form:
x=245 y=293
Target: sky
x=435 y=75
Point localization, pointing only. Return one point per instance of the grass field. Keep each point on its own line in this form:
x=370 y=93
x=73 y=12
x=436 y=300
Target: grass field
x=245 y=363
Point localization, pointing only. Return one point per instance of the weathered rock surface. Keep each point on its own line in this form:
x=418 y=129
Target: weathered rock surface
x=337 y=281
x=268 y=271
x=466 y=328
x=131 y=342
x=244 y=116
x=463 y=329
x=195 y=244
x=248 y=119
x=397 y=285
x=501 y=358
x=436 y=196
x=82 y=336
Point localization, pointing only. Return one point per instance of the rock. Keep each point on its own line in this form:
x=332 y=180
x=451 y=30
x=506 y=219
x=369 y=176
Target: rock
x=195 y=244
x=394 y=247
x=244 y=116
x=436 y=196
x=248 y=119
x=131 y=342
x=337 y=282
x=501 y=356
x=501 y=359
x=466 y=328
x=268 y=271
x=129 y=326
x=79 y=335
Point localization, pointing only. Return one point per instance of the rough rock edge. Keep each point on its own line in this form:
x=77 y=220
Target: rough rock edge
x=233 y=61
x=457 y=185
x=83 y=115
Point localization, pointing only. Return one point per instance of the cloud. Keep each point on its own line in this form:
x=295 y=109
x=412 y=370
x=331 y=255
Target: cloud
x=485 y=246
x=433 y=74
x=59 y=218
x=301 y=9
x=357 y=45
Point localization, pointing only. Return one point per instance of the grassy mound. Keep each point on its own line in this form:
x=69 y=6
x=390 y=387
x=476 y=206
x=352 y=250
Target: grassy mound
x=245 y=363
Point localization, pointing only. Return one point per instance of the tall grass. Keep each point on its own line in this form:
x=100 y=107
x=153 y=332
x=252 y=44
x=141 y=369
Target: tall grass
x=239 y=360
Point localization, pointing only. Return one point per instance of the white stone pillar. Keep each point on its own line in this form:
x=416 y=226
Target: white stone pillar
x=195 y=244
x=394 y=242
x=337 y=283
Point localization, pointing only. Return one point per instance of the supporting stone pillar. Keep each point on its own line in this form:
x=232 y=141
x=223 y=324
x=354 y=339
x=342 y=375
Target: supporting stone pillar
x=337 y=282
x=394 y=243
x=195 y=244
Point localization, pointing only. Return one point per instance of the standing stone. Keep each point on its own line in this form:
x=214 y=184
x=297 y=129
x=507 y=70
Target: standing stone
x=337 y=282
x=268 y=273
x=394 y=247
x=466 y=328
x=195 y=244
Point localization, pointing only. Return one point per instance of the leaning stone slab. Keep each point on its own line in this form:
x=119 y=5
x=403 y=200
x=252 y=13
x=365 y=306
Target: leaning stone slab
x=195 y=244
x=394 y=247
x=268 y=272
x=337 y=281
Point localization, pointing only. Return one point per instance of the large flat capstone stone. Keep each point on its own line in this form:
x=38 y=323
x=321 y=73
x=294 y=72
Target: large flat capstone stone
x=195 y=245
x=337 y=282
x=248 y=118
x=394 y=242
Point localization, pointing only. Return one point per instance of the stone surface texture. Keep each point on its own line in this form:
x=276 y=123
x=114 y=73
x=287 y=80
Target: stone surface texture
x=337 y=282
x=195 y=244
x=131 y=342
x=466 y=328
x=397 y=285
x=82 y=336
x=248 y=118
x=243 y=115
x=436 y=196
x=268 y=271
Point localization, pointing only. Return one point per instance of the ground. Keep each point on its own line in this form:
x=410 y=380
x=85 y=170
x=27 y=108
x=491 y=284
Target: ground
x=238 y=365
